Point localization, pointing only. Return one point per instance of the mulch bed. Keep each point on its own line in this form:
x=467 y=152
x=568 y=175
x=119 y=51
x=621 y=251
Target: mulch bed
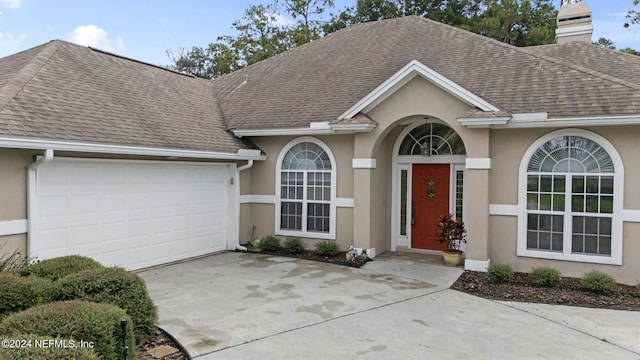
x=340 y=259
x=569 y=292
x=158 y=339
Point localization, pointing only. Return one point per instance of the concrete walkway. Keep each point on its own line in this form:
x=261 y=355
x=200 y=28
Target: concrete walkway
x=247 y=306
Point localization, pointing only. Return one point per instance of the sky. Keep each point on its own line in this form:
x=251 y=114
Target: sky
x=144 y=30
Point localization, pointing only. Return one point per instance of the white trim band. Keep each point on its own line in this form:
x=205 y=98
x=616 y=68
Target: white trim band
x=477 y=265
x=504 y=210
x=478 y=163
x=363 y=163
x=13 y=227
x=631 y=215
x=257 y=199
x=344 y=202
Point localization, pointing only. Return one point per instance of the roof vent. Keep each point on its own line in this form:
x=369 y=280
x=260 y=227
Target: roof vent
x=574 y=22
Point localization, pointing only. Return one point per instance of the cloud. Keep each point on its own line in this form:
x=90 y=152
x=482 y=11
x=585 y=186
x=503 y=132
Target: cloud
x=12 y=38
x=91 y=35
x=11 y=4
x=278 y=19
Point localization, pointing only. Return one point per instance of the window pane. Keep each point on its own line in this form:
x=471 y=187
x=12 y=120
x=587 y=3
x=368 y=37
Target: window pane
x=556 y=242
x=604 y=245
x=591 y=204
x=403 y=202
x=545 y=222
x=577 y=203
x=591 y=244
x=577 y=244
x=532 y=222
x=459 y=193
x=532 y=183
x=558 y=223
x=559 y=184
x=605 y=226
x=606 y=185
x=544 y=241
x=545 y=183
x=577 y=185
x=592 y=184
x=590 y=225
x=532 y=240
x=532 y=201
x=545 y=202
x=558 y=202
x=606 y=204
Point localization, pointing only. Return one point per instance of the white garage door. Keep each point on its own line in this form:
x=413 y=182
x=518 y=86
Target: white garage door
x=134 y=214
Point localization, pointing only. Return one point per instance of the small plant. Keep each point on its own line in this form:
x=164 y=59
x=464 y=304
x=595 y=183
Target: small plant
x=327 y=248
x=451 y=232
x=12 y=263
x=114 y=286
x=545 y=276
x=500 y=273
x=598 y=282
x=271 y=243
x=293 y=245
x=60 y=267
x=20 y=293
x=79 y=320
x=256 y=242
x=638 y=287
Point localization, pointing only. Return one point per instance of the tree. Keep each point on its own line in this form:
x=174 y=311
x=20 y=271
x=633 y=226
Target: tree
x=605 y=43
x=306 y=29
x=633 y=15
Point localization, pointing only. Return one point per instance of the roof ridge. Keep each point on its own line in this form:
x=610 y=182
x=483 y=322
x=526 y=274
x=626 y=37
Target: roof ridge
x=28 y=71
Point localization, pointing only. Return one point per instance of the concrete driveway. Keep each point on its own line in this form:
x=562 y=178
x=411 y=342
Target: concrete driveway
x=248 y=306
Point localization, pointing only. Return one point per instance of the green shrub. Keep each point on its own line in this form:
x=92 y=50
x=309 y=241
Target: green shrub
x=47 y=347
x=545 y=276
x=293 y=245
x=114 y=286
x=256 y=242
x=60 y=267
x=598 y=282
x=271 y=243
x=79 y=320
x=327 y=248
x=19 y=293
x=13 y=262
x=500 y=273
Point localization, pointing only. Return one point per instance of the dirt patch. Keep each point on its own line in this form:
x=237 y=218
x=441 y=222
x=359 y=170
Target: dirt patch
x=159 y=338
x=569 y=292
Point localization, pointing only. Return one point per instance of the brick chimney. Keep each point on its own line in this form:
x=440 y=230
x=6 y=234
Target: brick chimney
x=574 y=22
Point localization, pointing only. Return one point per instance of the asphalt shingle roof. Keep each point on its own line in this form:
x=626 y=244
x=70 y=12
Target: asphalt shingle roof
x=320 y=80
x=68 y=92
x=63 y=91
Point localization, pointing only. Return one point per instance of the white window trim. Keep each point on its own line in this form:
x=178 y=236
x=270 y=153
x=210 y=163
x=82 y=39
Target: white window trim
x=331 y=235
x=618 y=196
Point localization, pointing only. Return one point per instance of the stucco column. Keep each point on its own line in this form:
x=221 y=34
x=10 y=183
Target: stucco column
x=361 y=208
x=477 y=223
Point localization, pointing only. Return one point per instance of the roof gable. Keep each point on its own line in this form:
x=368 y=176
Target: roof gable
x=406 y=74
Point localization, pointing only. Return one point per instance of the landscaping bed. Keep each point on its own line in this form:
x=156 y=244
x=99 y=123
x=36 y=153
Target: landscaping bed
x=158 y=339
x=339 y=259
x=569 y=292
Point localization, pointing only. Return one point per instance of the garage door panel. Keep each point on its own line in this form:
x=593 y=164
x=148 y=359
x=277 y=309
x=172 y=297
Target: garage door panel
x=133 y=214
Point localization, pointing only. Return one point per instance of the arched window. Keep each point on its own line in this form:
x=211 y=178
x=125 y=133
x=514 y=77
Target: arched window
x=432 y=139
x=570 y=199
x=306 y=181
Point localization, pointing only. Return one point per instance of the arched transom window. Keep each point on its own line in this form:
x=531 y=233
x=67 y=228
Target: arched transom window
x=305 y=187
x=432 y=139
x=570 y=197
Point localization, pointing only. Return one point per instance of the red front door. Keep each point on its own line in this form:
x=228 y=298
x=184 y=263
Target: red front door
x=430 y=198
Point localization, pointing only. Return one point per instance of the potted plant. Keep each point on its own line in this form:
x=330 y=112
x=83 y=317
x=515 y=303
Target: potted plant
x=451 y=233
x=255 y=245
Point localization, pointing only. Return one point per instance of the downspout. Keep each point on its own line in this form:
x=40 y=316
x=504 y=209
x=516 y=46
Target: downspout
x=246 y=166
x=32 y=199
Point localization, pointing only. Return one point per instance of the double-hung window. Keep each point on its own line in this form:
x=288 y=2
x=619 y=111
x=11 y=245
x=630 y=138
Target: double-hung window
x=306 y=185
x=570 y=200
